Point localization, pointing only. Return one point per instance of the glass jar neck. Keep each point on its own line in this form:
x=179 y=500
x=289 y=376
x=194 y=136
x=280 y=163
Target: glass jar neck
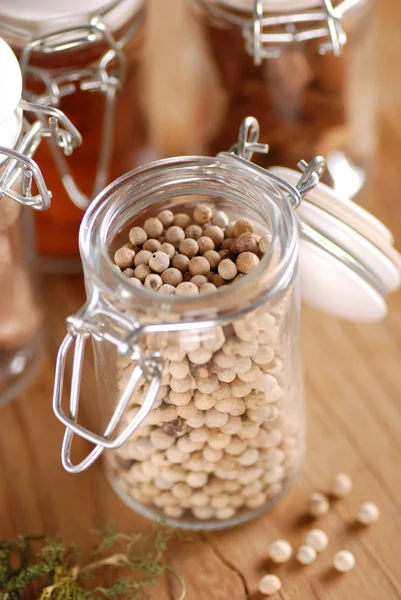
x=238 y=186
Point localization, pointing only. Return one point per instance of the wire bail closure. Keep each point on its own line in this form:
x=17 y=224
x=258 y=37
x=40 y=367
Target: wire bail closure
x=106 y=77
x=262 y=40
x=90 y=322
x=20 y=163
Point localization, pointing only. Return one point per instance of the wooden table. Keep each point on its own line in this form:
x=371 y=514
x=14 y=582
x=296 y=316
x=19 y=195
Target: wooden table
x=353 y=385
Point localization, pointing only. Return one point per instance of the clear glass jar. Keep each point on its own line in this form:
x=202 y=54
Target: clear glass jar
x=308 y=79
x=199 y=398
x=235 y=463
x=85 y=62
x=21 y=315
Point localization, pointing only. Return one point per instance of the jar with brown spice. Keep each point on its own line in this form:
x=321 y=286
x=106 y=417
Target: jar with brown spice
x=22 y=188
x=305 y=70
x=84 y=59
x=192 y=275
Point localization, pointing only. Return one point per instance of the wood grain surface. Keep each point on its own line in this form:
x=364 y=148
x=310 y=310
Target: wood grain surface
x=353 y=391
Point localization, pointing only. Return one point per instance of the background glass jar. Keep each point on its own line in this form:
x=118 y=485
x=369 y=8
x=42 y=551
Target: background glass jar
x=84 y=61
x=305 y=70
x=224 y=434
x=22 y=188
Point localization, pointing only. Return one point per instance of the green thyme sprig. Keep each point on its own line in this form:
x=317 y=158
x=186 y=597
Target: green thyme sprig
x=130 y=564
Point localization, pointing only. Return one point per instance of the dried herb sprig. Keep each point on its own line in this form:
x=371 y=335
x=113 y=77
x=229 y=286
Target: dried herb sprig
x=125 y=565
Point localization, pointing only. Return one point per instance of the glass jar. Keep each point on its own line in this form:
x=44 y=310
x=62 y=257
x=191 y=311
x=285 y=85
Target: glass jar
x=84 y=61
x=300 y=67
x=20 y=311
x=200 y=398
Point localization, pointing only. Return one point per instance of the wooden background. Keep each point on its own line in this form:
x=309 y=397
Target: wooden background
x=353 y=377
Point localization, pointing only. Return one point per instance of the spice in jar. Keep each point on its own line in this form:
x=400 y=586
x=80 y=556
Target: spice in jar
x=231 y=449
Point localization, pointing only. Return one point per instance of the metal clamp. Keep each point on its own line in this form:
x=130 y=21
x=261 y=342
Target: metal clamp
x=248 y=137
x=90 y=322
x=262 y=43
x=106 y=77
x=20 y=162
x=248 y=143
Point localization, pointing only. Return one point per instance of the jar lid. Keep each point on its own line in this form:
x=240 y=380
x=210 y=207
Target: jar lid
x=10 y=114
x=42 y=17
x=348 y=263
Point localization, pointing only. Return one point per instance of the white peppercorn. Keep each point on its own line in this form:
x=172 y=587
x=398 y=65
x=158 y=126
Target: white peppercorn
x=318 y=505
x=246 y=262
x=153 y=227
x=318 y=539
x=193 y=231
x=151 y=245
x=368 y=513
x=168 y=249
x=203 y=401
x=199 y=280
x=306 y=555
x=134 y=281
x=188 y=247
x=215 y=233
x=202 y=214
x=182 y=220
x=341 y=485
x=186 y=289
x=152 y=281
x=217 y=280
x=344 y=561
x=124 y=257
x=172 y=276
x=242 y=226
x=166 y=217
x=220 y=219
x=207 y=288
x=227 y=269
x=175 y=235
x=205 y=244
x=159 y=262
x=142 y=258
x=141 y=272
x=280 y=551
x=196 y=480
x=215 y=419
x=264 y=243
x=180 y=262
x=137 y=236
x=246 y=242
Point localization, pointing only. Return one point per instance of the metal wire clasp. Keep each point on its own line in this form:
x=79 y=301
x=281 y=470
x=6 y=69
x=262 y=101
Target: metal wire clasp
x=106 y=76
x=248 y=137
x=248 y=143
x=103 y=324
x=264 y=40
x=20 y=163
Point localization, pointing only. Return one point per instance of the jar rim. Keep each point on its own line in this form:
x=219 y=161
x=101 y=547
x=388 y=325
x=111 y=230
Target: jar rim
x=271 y=274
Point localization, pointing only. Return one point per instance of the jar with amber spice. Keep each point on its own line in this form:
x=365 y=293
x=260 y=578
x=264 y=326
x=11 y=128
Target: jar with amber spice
x=305 y=70
x=82 y=58
x=22 y=188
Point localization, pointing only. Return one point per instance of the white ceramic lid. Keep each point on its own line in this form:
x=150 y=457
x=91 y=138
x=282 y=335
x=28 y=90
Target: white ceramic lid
x=348 y=263
x=10 y=95
x=41 y=17
x=281 y=6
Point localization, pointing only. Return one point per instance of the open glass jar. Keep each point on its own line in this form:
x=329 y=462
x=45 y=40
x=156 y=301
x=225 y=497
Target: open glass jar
x=300 y=67
x=199 y=397
x=22 y=188
x=83 y=60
